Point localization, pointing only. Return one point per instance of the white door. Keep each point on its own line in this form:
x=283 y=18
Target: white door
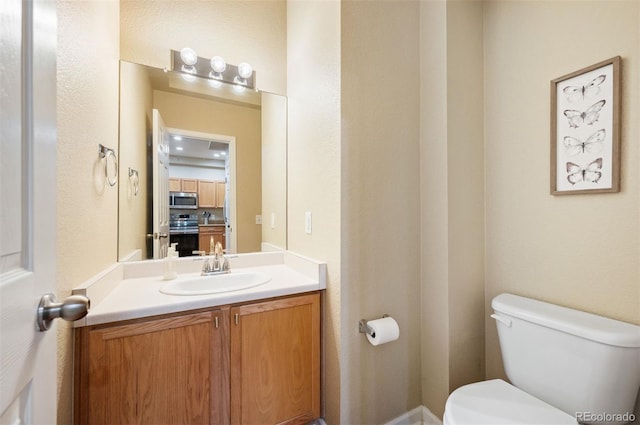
x=230 y=248
x=160 y=149
x=27 y=209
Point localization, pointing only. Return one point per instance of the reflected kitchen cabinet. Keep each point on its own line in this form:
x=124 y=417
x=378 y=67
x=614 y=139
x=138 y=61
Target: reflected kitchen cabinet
x=208 y=235
x=211 y=194
x=183 y=185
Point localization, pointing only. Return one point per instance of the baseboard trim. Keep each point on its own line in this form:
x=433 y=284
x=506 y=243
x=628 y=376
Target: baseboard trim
x=418 y=416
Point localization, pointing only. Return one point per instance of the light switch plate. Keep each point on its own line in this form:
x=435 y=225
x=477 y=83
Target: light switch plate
x=307 y=222
x=258 y=219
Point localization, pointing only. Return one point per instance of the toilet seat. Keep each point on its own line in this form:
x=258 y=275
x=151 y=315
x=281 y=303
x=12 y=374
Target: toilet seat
x=496 y=402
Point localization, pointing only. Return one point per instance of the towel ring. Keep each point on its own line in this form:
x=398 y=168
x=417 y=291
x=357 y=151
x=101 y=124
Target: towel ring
x=135 y=180
x=105 y=152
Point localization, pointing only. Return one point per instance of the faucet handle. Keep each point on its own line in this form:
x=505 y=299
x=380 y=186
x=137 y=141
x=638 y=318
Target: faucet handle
x=225 y=265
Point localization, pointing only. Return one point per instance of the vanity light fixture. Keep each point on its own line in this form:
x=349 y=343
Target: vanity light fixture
x=189 y=60
x=215 y=69
x=244 y=71
x=218 y=66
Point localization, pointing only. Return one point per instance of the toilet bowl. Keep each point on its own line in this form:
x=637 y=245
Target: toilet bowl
x=496 y=402
x=565 y=367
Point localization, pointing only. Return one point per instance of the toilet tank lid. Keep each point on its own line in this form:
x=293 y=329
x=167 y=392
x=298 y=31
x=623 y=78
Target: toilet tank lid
x=575 y=322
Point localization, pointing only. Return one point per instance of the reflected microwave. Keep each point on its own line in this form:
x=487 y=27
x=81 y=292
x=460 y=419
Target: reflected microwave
x=183 y=200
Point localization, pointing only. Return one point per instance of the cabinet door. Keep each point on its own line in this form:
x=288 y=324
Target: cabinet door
x=220 y=194
x=204 y=240
x=275 y=361
x=206 y=194
x=175 y=185
x=189 y=185
x=165 y=371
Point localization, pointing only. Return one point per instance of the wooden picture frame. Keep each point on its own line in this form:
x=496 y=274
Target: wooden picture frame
x=585 y=130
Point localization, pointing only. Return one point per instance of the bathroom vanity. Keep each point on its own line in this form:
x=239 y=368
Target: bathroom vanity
x=247 y=356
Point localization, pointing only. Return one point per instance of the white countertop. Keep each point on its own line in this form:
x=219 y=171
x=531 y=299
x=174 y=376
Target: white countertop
x=132 y=296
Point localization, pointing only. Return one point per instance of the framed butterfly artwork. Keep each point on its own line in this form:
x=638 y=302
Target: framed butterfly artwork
x=585 y=130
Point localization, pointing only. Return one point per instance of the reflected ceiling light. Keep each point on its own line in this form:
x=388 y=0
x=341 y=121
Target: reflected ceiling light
x=175 y=137
x=216 y=84
x=179 y=148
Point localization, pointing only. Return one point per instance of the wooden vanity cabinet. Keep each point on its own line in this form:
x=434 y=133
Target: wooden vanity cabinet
x=255 y=363
x=172 y=370
x=275 y=361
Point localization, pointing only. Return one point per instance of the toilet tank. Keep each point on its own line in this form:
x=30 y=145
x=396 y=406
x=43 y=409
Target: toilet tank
x=581 y=363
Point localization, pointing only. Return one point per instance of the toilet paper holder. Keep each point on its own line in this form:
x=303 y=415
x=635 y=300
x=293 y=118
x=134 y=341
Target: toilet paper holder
x=364 y=328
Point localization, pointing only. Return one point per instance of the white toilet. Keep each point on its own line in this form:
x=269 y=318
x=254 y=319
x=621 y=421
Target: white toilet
x=566 y=367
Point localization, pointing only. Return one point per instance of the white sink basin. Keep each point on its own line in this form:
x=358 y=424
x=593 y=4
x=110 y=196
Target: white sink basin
x=202 y=285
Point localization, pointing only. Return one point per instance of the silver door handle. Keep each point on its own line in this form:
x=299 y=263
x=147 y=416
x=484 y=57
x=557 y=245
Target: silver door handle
x=157 y=235
x=73 y=308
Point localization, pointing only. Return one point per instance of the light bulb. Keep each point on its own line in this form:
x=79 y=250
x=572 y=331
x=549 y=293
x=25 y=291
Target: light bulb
x=188 y=56
x=245 y=70
x=218 y=64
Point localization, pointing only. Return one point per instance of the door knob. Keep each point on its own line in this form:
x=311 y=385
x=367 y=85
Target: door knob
x=73 y=308
x=157 y=235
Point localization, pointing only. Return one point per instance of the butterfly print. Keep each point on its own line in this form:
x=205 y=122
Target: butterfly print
x=591 y=115
x=591 y=173
x=591 y=89
x=593 y=144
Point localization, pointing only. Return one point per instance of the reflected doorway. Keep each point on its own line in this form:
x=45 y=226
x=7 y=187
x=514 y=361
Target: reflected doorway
x=207 y=157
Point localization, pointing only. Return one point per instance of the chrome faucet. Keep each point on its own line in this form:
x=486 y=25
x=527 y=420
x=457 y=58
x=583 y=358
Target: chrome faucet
x=219 y=264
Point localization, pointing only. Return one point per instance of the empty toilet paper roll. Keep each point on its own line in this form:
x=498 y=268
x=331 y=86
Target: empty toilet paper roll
x=384 y=330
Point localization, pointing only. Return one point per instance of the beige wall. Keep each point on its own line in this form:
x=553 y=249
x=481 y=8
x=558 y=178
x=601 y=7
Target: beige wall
x=465 y=181
x=452 y=215
x=434 y=227
x=239 y=31
x=313 y=90
x=380 y=241
x=87 y=109
x=136 y=103
x=580 y=251
x=274 y=169
x=244 y=123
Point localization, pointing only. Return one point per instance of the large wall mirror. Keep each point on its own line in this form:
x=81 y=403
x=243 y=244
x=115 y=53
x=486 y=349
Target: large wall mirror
x=200 y=162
